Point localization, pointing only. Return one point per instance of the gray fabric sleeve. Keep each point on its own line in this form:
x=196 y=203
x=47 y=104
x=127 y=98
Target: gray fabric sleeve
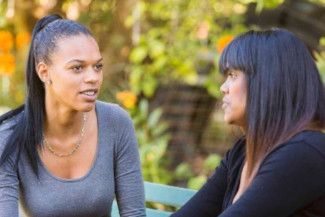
x=129 y=188
x=9 y=183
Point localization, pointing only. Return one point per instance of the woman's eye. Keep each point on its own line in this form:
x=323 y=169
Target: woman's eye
x=232 y=75
x=77 y=68
x=99 y=67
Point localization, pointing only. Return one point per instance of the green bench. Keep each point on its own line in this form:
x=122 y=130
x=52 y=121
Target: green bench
x=163 y=194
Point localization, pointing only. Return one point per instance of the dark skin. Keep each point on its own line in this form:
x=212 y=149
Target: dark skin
x=72 y=82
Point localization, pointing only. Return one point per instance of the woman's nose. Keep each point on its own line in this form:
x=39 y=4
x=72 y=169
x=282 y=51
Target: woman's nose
x=92 y=76
x=224 y=88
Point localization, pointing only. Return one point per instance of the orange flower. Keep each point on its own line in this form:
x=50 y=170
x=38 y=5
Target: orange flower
x=7 y=64
x=22 y=39
x=127 y=98
x=6 y=41
x=223 y=42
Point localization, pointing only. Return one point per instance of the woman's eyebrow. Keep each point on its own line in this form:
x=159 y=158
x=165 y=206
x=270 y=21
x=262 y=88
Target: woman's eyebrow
x=83 y=61
x=101 y=59
x=227 y=71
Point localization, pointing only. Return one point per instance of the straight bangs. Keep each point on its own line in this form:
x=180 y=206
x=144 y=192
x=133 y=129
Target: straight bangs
x=237 y=56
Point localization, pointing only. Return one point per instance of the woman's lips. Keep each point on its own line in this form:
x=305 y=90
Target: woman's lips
x=89 y=95
x=224 y=104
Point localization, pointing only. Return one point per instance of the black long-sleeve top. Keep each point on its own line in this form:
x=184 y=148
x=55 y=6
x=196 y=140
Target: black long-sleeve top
x=290 y=183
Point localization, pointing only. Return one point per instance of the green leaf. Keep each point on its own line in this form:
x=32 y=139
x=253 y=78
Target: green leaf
x=322 y=41
x=154 y=117
x=160 y=63
x=212 y=162
x=197 y=182
x=129 y=21
x=159 y=129
x=135 y=79
x=321 y=64
x=149 y=86
x=157 y=48
x=144 y=107
x=183 y=171
x=213 y=89
x=138 y=54
x=272 y=3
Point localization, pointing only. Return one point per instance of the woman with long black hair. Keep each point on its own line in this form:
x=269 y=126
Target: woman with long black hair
x=274 y=93
x=63 y=153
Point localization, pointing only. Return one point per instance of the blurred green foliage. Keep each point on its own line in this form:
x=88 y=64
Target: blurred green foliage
x=184 y=171
x=321 y=64
x=175 y=39
x=321 y=59
x=153 y=139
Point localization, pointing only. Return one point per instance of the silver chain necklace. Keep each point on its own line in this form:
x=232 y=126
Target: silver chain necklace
x=78 y=143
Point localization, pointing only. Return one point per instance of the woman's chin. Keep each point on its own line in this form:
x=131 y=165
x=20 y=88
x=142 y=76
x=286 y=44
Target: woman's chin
x=87 y=107
x=227 y=119
x=232 y=121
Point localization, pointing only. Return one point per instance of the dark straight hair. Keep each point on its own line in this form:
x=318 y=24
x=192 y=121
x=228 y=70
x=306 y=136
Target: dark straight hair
x=285 y=94
x=27 y=133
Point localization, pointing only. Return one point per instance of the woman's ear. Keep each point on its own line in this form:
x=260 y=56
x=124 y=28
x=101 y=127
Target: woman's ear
x=43 y=73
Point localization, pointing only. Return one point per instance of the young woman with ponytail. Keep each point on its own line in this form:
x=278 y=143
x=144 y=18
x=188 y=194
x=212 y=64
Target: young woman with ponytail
x=63 y=153
x=274 y=93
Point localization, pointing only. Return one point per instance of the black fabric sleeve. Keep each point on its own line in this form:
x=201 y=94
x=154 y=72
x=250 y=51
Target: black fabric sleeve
x=290 y=178
x=208 y=200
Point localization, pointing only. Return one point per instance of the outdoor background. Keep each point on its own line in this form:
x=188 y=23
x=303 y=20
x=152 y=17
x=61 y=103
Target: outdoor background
x=160 y=63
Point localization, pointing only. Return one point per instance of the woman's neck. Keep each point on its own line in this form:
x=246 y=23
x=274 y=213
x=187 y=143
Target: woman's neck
x=61 y=120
